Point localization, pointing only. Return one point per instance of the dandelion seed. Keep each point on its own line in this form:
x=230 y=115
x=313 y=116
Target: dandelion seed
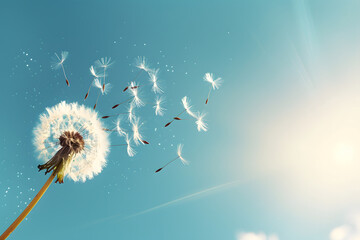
x=201 y=125
x=104 y=63
x=130 y=151
x=158 y=109
x=154 y=80
x=215 y=84
x=137 y=137
x=59 y=62
x=83 y=148
x=98 y=85
x=179 y=156
x=131 y=115
x=119 y=130
x=141 y=63
x=134 y=92
x=187 y=108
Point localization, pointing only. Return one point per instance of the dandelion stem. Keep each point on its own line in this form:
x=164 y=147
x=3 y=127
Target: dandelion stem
x=208 y=96
x=28 y=208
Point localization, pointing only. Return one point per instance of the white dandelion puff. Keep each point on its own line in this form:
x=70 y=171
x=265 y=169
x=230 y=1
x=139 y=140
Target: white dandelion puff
x=159 y=110
x=201 y=125
x=135 y=93
x=82 y=147
x=215 y=84
x=179 y=156
x=59 y=62
x=83 y=143
x=153 y=74
x=141 y=63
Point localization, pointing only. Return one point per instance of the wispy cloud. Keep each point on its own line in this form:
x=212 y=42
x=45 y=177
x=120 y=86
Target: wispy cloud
x=255 y=236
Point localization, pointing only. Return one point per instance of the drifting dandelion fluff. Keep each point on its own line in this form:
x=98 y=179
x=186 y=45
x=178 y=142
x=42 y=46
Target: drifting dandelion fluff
x=134 y=92
x=215 y=84
x=137 y=137
x=201 y=125
x=141 y=63
x=154 y=80
x=131 y=115
x=98 y=85
x=187 y=108
x=179 y=156
x=96 y=76
x=59 y=62
x=130 y=151
x=158 y=109
x=119 y=130
x=103 y=90
x=104 y=63
x=82 y=149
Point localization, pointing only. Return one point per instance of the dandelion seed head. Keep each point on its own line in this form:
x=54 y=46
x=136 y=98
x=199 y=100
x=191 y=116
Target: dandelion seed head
x=208 y=77
x=62 y=123
x=179 y=153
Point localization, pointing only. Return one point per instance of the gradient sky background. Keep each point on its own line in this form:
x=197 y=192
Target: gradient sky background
x=284 y=129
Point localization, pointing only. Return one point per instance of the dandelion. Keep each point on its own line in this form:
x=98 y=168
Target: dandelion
x=154 y=80
x=59 y=62
x=158 y=109
x=179 y=156
x=137 y=137
x=215 y=84
x=82 y=148
x=187 y=108
x=104 y=63
x=201 y=125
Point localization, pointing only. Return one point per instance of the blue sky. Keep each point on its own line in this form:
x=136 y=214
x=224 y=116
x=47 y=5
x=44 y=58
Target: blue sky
x=283 y=128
